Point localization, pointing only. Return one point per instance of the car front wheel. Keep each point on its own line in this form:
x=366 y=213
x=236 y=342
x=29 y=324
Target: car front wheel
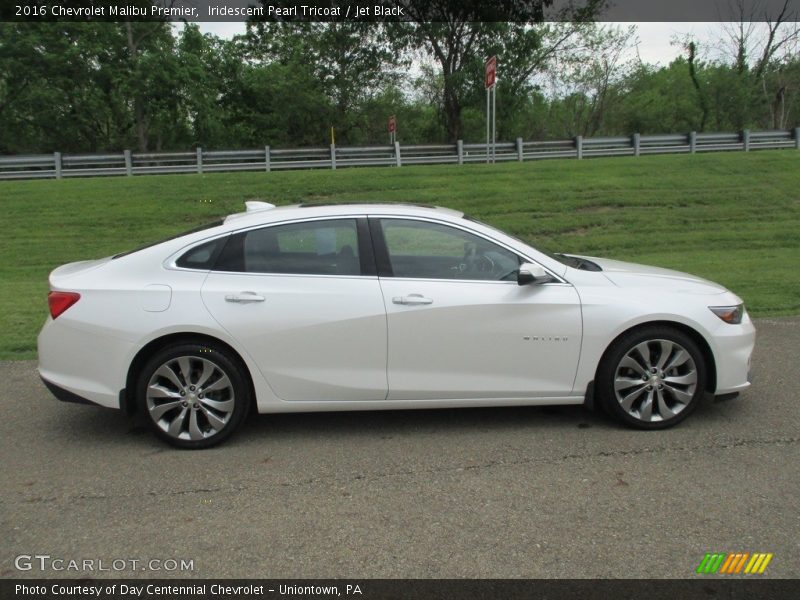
x=652 y=378
x=193 y=396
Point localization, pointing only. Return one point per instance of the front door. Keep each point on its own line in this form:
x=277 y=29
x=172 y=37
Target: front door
x=460 y=326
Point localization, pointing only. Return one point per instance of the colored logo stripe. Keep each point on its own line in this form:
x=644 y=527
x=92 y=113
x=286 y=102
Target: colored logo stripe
x=758 y=564
x=710 y=563
x=734 y=563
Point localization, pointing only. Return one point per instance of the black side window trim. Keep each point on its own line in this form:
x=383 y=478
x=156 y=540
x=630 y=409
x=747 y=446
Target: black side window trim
x=381 y=252
x=366 y=251
x=231 y=258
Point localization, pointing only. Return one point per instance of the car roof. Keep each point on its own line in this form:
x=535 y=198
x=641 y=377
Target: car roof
x=261 y=212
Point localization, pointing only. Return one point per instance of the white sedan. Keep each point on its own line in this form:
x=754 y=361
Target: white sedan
x=380 y=306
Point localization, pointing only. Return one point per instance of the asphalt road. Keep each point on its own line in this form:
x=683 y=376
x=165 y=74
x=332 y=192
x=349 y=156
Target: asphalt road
x=508 y=493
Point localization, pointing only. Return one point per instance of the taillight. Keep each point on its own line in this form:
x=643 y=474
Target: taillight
x=61 y=301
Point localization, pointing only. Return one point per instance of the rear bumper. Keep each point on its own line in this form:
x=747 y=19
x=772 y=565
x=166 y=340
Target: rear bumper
x=65 y=395
x=80 y=365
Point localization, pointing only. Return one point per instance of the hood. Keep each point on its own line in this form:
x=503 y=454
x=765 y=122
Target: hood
x=625 y=274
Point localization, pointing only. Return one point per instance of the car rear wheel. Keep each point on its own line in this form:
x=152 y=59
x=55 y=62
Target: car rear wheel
x=193 y=396
x=652 y=378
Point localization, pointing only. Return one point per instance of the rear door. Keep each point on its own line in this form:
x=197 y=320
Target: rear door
x=304 y=301
x=460 y=326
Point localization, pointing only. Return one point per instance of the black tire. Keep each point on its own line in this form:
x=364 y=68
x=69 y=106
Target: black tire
x=181 y=411
x=629 y=403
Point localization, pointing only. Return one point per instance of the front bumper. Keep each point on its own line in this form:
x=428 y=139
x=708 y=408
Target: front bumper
x=733 y=353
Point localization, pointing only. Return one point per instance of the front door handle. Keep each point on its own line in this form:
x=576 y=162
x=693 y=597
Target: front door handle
x=412 y=299
x=244 y=298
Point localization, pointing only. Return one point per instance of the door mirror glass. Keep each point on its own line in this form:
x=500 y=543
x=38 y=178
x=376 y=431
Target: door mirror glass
x=530 y=273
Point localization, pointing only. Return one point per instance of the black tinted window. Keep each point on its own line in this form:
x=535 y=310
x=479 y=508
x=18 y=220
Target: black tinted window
x=202 y=256
x=312 y=248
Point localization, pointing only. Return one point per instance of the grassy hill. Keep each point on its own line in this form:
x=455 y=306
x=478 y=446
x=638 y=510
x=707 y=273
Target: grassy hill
x=730 y=217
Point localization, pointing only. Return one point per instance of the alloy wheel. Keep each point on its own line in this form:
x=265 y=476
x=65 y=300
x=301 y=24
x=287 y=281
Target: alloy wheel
x=190 y=398
x=655 y=380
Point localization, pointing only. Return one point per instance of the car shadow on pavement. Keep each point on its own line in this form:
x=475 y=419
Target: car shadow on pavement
x=354 y=424
x=97 y=426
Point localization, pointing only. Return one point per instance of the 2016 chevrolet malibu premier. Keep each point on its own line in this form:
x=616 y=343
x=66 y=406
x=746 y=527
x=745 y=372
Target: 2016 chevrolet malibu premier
x=363 y=307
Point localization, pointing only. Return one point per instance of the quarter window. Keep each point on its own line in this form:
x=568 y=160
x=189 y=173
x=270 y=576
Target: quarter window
x=202 y=256
x=424 y=250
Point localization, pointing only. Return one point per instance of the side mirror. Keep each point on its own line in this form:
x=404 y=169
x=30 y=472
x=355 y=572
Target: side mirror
x=530 y=273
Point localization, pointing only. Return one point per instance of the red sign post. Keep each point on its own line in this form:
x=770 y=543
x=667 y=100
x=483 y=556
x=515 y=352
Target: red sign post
x=392 y=129
x=491 y=72
x=490 y=80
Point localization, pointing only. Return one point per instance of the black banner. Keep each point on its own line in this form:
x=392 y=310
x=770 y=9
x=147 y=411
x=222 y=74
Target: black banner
x=401 y=589
x=400 y=10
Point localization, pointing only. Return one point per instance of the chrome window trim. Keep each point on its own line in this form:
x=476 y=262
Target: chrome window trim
x=169 y=262
x=559 y=280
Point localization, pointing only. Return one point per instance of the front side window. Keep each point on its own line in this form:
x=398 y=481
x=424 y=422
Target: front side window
x=424 y=250
x=311 y=248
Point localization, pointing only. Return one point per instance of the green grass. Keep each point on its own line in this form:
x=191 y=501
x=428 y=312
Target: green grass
x=731 y=217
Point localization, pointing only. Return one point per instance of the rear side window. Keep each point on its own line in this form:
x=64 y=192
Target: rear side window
x=203 y=256
x=312 y=248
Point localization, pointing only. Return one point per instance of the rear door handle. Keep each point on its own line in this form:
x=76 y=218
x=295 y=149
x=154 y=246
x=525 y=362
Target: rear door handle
x=244 y=298
x=412 y=299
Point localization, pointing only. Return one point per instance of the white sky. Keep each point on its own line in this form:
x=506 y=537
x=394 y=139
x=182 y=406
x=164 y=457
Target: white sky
x=654 y=38
x=223 y=30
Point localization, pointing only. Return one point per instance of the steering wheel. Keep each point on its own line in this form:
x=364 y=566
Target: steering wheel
x=475 y=263
x=483 y=264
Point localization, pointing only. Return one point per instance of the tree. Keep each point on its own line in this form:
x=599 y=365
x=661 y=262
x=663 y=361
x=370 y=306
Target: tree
x=753 y=61
x=279 y=105
x=352 y=61
x=76 y=85
x=57 y=90
x=586 y=79
x=450 y=35
x=702 y=97
x=146 y=73
x=656 y=100
x=209 y=72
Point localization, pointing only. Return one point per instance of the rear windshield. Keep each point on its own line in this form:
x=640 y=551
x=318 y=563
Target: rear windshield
x=211 y=225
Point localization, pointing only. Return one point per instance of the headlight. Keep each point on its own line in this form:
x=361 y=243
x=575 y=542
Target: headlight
x=729 y=314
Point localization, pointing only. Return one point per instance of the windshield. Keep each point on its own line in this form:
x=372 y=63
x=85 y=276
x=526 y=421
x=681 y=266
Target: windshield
x=564 y=259
x=552 y=255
